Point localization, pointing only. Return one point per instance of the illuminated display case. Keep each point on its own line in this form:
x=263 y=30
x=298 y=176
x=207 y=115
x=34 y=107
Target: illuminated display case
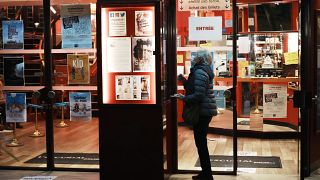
x=128 y=58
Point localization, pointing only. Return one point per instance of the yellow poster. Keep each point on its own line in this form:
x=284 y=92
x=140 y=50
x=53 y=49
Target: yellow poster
x=243 y=70
x=78 y=69
x=179 y=58
x=291 y=58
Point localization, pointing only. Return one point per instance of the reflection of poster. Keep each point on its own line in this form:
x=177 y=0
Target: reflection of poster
x=143 y=58
x=13 y=71
x=119 y=54
x=76 y=26
x=80 y=105
x=274 y=101
x=78 y=69
x=12 y=34
x=220 y=99
x=143 y=23
x=117 y=23
x=133 y=87
x=16 y=108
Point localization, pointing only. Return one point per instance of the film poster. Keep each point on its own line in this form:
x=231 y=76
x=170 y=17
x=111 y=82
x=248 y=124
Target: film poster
x=13 y=68
x=78 y=69
x=16 y=108
x=80 y=105
x=142 y=54
x=76 y=26
x=13 y=34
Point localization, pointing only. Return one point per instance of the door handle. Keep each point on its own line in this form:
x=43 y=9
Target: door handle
x=315 y=99
x=51 y=94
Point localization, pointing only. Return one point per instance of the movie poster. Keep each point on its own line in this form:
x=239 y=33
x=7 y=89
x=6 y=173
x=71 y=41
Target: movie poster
x=16 y=108
x=80 y=105
x=133 y=87
x=13 y=71
x=143 y=23
x=143 y=58
x=13 y=34
x=117 y=23
x=76 y=26
x=78 y=69
x=275 y=100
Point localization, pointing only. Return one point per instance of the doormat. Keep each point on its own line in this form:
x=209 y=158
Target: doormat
x=68 y=158
x=244 y=161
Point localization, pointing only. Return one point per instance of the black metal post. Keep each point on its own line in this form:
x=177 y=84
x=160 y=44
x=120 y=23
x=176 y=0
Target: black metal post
x=48 y=83
x=234 y=80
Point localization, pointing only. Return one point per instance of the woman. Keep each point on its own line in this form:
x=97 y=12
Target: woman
x=199 y=89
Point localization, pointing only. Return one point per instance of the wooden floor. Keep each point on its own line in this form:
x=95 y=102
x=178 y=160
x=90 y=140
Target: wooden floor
x=287 y=150
x=224 y=120
x=82 y=137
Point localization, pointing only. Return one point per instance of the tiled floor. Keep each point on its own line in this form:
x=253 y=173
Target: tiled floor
x=18 y=174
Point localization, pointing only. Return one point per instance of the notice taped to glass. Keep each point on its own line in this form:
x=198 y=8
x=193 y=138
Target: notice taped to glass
x=275 y=100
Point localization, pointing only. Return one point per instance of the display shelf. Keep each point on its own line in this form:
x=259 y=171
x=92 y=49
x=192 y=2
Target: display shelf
x=214 y=48
x=22 y=88
x=75 y=88
x=41 y=51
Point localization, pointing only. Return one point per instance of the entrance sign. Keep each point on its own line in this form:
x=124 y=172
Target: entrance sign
x=188 y=5
x=205 y=28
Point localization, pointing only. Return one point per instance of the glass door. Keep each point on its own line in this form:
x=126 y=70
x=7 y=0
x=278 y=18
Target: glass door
x=210 y=30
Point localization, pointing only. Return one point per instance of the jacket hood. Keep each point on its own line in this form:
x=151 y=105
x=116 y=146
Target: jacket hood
x=206 y=68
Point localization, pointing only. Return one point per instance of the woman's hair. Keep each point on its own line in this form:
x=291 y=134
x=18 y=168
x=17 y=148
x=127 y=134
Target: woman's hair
x=203 y=56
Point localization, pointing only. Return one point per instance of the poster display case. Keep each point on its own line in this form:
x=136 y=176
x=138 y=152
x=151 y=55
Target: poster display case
x=128 y=58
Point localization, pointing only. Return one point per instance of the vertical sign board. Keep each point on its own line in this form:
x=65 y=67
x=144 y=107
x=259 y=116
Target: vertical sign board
x=205 y=28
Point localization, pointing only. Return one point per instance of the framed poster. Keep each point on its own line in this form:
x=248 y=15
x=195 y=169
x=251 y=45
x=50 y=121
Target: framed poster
x=144 y=23
x=142 y=54
x=78 y=69
x=13 y=34
x=80 y=105
x=13 y=68
x=117 y=23
x=76 y=26
x=16 y=107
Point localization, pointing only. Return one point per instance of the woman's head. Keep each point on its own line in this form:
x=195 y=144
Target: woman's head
x=202 y=57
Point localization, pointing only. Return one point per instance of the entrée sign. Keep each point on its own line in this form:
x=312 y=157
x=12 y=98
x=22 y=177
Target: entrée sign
x=188 y=5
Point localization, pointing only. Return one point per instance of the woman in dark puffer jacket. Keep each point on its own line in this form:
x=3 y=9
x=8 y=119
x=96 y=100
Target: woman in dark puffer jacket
x=199 y=89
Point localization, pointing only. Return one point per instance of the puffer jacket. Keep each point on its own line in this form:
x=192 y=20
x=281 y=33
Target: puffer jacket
x=199 y=89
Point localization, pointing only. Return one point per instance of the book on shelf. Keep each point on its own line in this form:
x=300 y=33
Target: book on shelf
x=13 y=34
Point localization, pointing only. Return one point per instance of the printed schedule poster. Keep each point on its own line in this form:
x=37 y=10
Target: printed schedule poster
x=133 y=87
x=76 y=26
x=143 y=23
x=78 y=69
x=80 y=105
x=13 y=34
x=119 y=54
x=117 y=23
x=274 y=101
x=16 y=107
x=143 y=58
x=13 y=68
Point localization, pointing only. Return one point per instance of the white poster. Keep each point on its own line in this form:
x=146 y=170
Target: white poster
x=275 y=100
x=244 y=45
x=205 y=28
x=119 y=54
x=80 y=105
x=143 y=58
x=143 y=23
x=117 y=23
x=132 y=87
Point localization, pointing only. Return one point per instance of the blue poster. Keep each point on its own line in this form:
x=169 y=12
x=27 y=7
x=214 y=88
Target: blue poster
x=76 y=26
x=12 y=34
x=80 y=105
x=220 y=99
x=16 y=108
